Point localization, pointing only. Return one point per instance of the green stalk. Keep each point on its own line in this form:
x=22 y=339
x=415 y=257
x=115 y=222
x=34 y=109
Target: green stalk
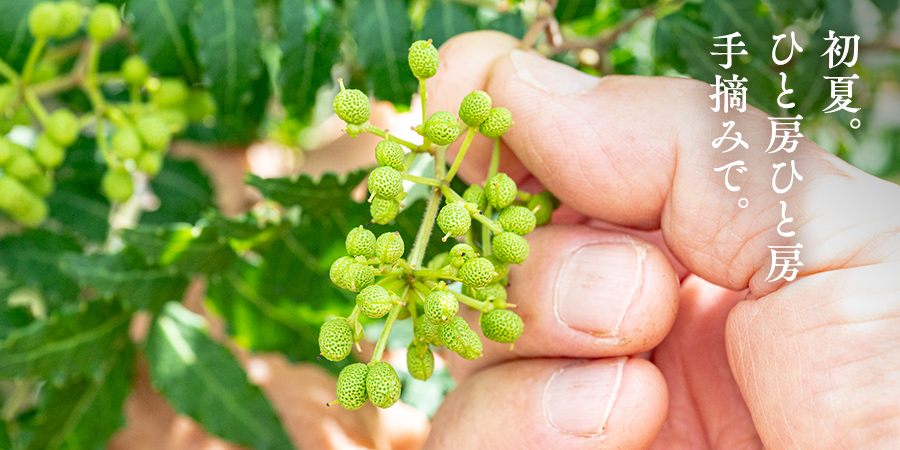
x=31 y=61
x=388 y=324
x=8 y=72
x=421 y=180
x=470 y=134
x=384 y=135
x=36 y=107
x=423 y=95
x=492 y=170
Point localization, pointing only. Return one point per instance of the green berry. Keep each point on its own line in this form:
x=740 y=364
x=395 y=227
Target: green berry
x=502 y=325
x=510 y=247
x=23 y=166
x=360 y=242
x=171 y=93
x=117 y=185
x=103 y=22
x=384 y=210
x=459 y=338
x=200 y=106
x=501 y=267
x=9 y=150
x=442 y=128
x=8 y=96
x=44 y=19
x=542 y=205
x=500 y=191
x=135 y=70
x=382 y=384
x=478 y=272
x=454 y=219
x=374 y=301
x=475 y=108
x=150 y=162
x=517 y=219
x=419 y=360
x=389 y=247
x=351 y=386
x=352 y=106
x=441 y=306
x=385 y=182
x=42 y=185
x=126 y=144
x=43 y=71
x=424 y=330
x=25 y=207
x=423 y=59
x=338 y=271
x=71 y=14
x=494 y=292
x=63 y=127
x=358 y=276
x=47 y=152
x=460 y=253
x=390 y=154
x=475 y=194
x=335 y=339
x=154 y=131
x=472 y=345
x=497 y=122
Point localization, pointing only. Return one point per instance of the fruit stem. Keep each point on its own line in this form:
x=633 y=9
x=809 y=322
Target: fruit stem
x=7 y=71
x=31 y=61
x=492 y=170
x=466 y=300
x=421 y=180
x=36 y=107
x=490 y=224
x=523 y=195
x=384 y=135
x=434 y=273
x=470 y=134
x=423 y=94
x=386 y=331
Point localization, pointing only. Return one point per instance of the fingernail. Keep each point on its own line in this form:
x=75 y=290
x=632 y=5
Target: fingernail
x=578 y=399
x=550 y=76
x=596 y=285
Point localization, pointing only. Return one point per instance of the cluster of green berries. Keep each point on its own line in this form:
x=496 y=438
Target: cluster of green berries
x=389 y=283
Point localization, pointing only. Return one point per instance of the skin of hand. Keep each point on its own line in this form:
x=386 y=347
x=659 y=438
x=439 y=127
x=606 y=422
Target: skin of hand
x=737 y=362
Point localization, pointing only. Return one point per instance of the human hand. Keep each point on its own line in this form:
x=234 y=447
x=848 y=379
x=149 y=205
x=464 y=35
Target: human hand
x=748 y=363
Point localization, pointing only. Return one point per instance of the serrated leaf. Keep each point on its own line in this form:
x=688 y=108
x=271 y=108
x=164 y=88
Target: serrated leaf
x=445 y=19
x=382 y=31
x=184 y=193
x=73 y=343
x=569 y=10
x=187 y=248
x=316 y=197
x=309 y=44
x=15 y=39
x=33 y=259
x=203 y=380
x=162 y=32
x=84 y=413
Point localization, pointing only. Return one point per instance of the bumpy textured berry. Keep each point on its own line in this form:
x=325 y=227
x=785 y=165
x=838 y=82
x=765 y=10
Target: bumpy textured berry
x=338 y=271
x=62 y=126
x=441 y=306
x=351 y=386
x=494 y=292
x=358 y=276
x=478 y=272
x=384 y=210
x=502 y=325
x=374 y=301
x=472 y=345
x=103 y=22
x=360 y=242
x=475 y=194
x=454 y=219
x=43 y=21
x=389 y=247
x=126 y=144
x=423 y=59
x=475 y=108
x=70 y=17
x=460 y=253
x=390 y=154
x=497 y=122
x=382 y=384
x=424 y=330
x=501 y=267
x=442 y=128
x=544 y=202
x=385 y=182
x=135 y=70
x=335 y=339
x=419 y=360
x=510 y=247
x=500 y=191
x=47 y=152
x=154 y=132
x=352 y=106
x=452 y=334
x=517 y=219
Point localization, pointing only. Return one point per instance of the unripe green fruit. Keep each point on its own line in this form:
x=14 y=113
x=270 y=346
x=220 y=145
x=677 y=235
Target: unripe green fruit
x=358 y=276
x=200 y=105
x=47 y=152
x=454 y=219
x=494 y=292
x=338 y=271
x=390 y=154
x=171 y=93
x=459 y=338
x=478 y=272
x=424 y=330
x=335 y=339
x=150 y=162
x=351 y=386
x=374 y=301
x=501 y=267
x=25 y=207
x=117 y=185
x=360 y=242
x=23 y=166
x=103 y=22
x=154 y=131
x=475 y=194
x=441 y=306
x=385 y=182
x=32 y=213
x=126 y=144
x=384 y=210
x=8 y=96
x=43 y=71
x=71 y=14
x=502 y=325
x=460 y=253
x=9 y=150
x=442 y=128
x=382 y=384
x=500 y=191
x=135 y=70
x=43 y=20
x=472 y=345
x=517 y=219
x=352 y=106
x=389 y=247
x=419 y=360
x=475 y=108
x=423 y=59
x=497 y=122
x=544 y=202
x=42 y=185
x=63 y=127
x=510 y=247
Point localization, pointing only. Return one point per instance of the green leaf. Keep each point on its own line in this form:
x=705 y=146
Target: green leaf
x=511 y=23
x=161 y=30
x=15 y=39
x=76 y=202
x=70 y=344
x=85 y=413
x=887 y=7
x=382 y=31
x=569 y=10
x=316 y=197
x=12 y=319
x=445 y=19
x=203 y=380
x=726 y=17
x=188 y=248
x=309 y=44
x=184 y=193
x=33 y=259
